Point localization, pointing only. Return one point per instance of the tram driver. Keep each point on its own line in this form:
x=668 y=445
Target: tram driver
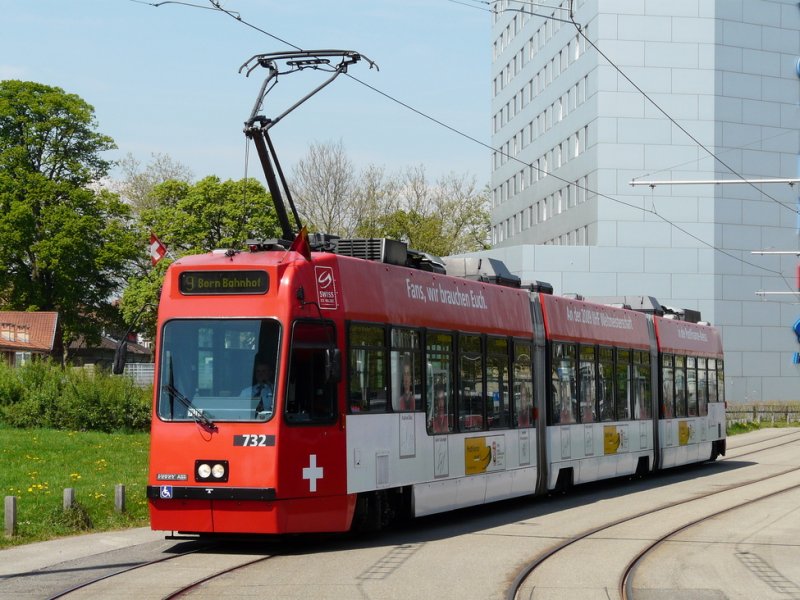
x=263 y=386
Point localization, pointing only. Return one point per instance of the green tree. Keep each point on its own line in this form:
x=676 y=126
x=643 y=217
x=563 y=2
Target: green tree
x=196 y=218
x=64 y=243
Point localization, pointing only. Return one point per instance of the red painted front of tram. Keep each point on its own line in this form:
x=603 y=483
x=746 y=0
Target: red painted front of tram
x=280 y=476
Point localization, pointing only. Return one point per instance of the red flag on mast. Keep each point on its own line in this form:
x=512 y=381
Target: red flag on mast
x=157 y=249
x=301 y=245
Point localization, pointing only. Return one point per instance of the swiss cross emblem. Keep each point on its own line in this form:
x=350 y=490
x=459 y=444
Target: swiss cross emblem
x=312 y=472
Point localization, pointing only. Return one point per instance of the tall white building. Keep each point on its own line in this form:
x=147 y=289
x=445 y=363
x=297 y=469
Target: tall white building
x=573 y=132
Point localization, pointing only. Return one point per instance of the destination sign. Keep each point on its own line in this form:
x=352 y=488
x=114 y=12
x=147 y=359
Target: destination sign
x=198 y=283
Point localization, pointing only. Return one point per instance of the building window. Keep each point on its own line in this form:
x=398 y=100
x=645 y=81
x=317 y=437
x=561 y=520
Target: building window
x=21 y=358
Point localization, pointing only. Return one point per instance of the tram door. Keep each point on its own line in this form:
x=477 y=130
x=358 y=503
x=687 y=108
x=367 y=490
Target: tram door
x=312 y=442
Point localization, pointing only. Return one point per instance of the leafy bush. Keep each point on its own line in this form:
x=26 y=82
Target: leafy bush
x=42 y=394
x=102 y=402
x=11 y=389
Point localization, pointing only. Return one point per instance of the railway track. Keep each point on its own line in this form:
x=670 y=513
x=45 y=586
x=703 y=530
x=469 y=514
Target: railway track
x=117 y=573
x=522 y=586
x=172 y=576
x=626 y=583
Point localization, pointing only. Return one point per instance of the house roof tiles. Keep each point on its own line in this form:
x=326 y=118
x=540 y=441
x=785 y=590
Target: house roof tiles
x=31 y=331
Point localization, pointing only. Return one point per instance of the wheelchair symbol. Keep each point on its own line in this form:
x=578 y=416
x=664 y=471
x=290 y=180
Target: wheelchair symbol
x=166 y=492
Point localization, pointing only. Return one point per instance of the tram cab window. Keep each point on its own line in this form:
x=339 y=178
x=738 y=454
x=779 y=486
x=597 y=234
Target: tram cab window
x=523 y=385
x=439 y=382
x=563 y=384
x=311 y=392
x=497 y=383
x=406 y=368
x=605 y=385
x=588 y=385
x=471 y=391
x=642 y=396
x=691 y=386
x=206 y=364
x=667 y=387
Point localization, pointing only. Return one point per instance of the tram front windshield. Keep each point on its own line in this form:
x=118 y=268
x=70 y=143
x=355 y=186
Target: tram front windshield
x=218 y=370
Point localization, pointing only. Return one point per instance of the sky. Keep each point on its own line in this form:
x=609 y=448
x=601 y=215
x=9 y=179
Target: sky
x=164 y=80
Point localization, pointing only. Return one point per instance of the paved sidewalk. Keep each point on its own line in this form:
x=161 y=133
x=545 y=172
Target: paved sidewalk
x=32 y=557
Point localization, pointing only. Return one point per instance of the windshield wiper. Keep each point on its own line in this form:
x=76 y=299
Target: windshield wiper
x=191 y=410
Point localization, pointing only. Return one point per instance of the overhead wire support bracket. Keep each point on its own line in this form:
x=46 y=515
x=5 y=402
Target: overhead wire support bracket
x=788 y=180
x=257 y=125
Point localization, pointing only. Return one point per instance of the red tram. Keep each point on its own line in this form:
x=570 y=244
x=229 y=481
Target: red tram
x=400 y=391
x=301 y=391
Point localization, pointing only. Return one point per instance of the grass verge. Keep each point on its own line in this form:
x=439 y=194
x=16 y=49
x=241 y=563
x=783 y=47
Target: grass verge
x=38 y=464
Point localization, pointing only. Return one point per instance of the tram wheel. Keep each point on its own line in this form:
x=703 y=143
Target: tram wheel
x=564 y=481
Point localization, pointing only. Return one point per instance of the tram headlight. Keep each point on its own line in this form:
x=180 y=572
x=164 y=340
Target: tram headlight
x=211 y=469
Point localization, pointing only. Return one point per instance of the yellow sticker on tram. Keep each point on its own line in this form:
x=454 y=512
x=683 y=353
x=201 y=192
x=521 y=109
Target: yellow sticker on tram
x=611 y=439
x=683 y=432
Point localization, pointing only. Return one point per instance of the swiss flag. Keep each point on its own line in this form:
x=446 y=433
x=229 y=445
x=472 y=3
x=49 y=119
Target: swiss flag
x=157 y=249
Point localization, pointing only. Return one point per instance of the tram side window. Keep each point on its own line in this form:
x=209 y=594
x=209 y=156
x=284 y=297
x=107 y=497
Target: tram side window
x=702 y=387
x=406 y=367
x=642 y=398
x=691 y=386
x=680 y=386
x=439 y=381
x=720 y=381
x=311 y=395
x=367 y=387
x=563 y=389
x=497 y=383
x=605 y=384
x=523 y=385
x=712 y=384
x=471 y=392
x=667 y=387
x=588 y=384
x=624 y=388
